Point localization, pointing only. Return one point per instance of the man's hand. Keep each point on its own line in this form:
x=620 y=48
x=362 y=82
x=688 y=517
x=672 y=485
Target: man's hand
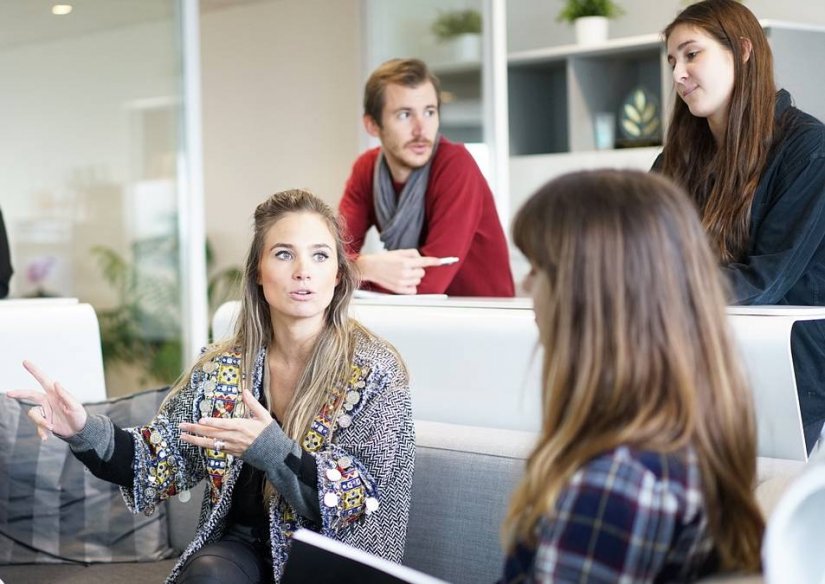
x=398 y=271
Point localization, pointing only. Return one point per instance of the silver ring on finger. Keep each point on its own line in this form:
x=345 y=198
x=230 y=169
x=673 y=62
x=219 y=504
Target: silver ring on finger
x=218 y=445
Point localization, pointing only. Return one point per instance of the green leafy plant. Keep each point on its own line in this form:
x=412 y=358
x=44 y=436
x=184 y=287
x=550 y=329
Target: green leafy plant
x=451 y=24
x=574 y=9
x=143 y=327
x=222 y=285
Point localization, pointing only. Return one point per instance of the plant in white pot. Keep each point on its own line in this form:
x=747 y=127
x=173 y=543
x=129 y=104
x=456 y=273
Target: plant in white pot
x=590 y=18
x=462 y=30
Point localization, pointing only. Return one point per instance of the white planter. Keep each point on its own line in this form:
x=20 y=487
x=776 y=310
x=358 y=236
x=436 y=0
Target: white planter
x=591 y=30
x=466 y=47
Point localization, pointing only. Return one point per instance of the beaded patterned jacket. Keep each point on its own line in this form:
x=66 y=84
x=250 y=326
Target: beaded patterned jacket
x=370 y=444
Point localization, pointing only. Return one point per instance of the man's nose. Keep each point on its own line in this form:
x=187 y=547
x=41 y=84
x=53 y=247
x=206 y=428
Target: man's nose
x=417 y=126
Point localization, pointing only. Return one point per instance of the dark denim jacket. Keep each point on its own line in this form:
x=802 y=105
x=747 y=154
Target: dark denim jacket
x=785 y=263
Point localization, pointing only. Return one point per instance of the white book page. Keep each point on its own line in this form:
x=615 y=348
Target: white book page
x=336 y=547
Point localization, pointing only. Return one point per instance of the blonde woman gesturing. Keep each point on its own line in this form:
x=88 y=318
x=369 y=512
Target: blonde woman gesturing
x=302 y=419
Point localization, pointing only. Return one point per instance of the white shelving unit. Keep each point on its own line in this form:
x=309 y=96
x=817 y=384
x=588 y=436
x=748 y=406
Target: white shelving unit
x=554 y=93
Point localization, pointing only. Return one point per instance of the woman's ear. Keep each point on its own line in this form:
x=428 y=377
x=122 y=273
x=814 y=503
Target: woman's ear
x=747 y=49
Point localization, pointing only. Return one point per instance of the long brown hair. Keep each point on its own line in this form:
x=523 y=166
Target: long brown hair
x=632 y=316
x=722 y=179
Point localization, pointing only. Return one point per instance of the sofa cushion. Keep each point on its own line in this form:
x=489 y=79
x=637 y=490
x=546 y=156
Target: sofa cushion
x=183 y=517
x=461 y=489
x=53 y=510
x=774 y=476
x=122 y=573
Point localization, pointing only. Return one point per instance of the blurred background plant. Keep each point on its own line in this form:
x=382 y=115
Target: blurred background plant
x=574 y=9
x=451 y=24
x=143 y=328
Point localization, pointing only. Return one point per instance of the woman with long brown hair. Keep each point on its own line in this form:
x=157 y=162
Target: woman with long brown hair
x=646 y=459
x=755 y=167
x=301 y=419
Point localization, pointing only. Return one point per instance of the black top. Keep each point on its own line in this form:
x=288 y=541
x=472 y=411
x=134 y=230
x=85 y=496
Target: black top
x=248 y=499
x=5 y=260
x=785 y=260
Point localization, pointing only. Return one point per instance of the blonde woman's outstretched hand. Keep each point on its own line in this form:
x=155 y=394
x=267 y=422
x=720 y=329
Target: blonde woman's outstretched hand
x=55 y=411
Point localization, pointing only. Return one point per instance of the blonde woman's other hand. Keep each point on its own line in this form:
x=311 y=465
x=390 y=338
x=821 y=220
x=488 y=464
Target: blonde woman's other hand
x=55 y=410
x=230 y=435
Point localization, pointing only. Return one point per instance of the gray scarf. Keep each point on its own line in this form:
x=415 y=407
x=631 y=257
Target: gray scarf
x=401 y=218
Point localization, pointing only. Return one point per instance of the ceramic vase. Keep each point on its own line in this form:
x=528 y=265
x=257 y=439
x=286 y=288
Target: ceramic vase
x=466 y=47
x=591 y=30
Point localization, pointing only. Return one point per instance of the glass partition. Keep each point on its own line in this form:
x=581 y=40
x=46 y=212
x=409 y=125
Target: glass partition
x=92 y=112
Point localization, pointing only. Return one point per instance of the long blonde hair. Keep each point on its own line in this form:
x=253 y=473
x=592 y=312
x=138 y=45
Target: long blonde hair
x=329 y=362
x=637 y=348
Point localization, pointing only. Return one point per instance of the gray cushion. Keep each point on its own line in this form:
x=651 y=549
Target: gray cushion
x=183 y=517
x=458 y=503
x=53 y=510
x=128 y=573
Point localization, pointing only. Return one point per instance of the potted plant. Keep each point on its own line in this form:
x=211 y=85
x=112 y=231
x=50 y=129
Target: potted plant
x=590 y=18
x=462 y=30
x=142 y=329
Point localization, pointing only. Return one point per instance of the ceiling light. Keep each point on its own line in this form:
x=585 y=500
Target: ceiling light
x=61 y=9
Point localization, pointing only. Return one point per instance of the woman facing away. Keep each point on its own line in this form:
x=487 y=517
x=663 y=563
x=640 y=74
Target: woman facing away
x=646 y=458
x=302 y=419
x=754 y=166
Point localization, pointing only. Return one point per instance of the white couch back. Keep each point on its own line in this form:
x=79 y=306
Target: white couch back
x=478 y=365
x=477 y=362
x=59 y=335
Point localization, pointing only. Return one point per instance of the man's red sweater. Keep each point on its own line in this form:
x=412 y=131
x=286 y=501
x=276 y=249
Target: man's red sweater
x=460 y=219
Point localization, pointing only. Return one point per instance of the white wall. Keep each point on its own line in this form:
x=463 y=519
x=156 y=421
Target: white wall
x=281 y=107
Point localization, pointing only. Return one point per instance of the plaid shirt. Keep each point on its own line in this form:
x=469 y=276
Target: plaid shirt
x=626 y=516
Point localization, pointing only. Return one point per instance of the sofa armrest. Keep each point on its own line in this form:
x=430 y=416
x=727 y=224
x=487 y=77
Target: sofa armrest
x=774 y=476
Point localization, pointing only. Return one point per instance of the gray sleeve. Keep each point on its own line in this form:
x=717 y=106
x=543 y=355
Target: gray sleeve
x=98 y=434
x=288 y=468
